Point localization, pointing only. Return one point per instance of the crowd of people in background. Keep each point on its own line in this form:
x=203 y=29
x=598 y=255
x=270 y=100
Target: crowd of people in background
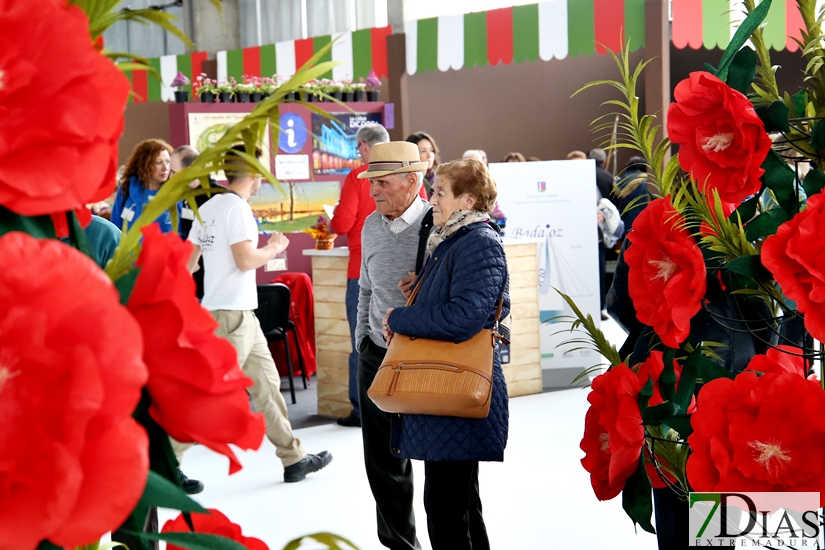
x=401 y=207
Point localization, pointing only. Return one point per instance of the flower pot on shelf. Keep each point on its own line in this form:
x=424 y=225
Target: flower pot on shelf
x=292 y=96
x=225 y=97
x=372 y=95
x=181 y=96
x=255 y=97
x=358 y=95
x=325 y=244
x=207 y=97
x=242 y=97
x=347 y=97
x=312 y=97
x=337 y=95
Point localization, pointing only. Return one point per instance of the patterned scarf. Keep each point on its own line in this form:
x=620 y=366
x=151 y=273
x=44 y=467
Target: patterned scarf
x=459 y=219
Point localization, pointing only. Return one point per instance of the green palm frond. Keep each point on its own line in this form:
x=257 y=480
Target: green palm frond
x=593 y=339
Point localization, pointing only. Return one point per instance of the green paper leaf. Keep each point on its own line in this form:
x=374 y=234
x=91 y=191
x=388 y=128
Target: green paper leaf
x=775 y=115
x=747 y=210
x=711 y=69
x=78 y=238
x=818 y=135
x=162 y=493
x=765 y=224
x=680 y=423
x=637 y=497
x=46 y=545
x=667 y=380
x=687 y=383
x=326 y=538
x=40 y=227
x=814 y=182
x=750 y=266
x=799 y=103
x=645 y=394
x=126 y=284
x=780 y=178
x=659 y=414
x=743 y=71
x=711 y=371
x=195 y=541
x=743 y=33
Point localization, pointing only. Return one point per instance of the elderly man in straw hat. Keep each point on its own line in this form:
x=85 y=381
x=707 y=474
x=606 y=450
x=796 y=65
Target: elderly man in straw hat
x=390 y=246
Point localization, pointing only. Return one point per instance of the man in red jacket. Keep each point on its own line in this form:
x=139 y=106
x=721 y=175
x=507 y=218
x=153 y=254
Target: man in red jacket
x=353 y=208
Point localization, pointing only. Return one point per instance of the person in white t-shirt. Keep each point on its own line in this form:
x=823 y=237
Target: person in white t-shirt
x=228 y=238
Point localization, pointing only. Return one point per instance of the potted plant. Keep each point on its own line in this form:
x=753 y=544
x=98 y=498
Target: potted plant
x=358 y=90
x=336 y=90
x=242 y=90
x=181 y=80
x=348 y=90
x=313 y=87
x=372 y=84
x=206 y=88
x=225 y=89
x=324 y=238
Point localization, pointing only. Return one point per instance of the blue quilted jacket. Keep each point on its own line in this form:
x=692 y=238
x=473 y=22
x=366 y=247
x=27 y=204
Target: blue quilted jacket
x=459 y=295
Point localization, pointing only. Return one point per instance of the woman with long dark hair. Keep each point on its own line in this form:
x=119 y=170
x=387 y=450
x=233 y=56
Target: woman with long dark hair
x=428 y=152
x=146 y=171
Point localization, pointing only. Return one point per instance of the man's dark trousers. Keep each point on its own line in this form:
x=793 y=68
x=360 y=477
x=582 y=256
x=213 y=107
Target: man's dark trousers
x=391 y=479
x=351 y=302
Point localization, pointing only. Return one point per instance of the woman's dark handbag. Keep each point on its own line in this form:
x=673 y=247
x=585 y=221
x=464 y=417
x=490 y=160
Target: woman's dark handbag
x=423 y=376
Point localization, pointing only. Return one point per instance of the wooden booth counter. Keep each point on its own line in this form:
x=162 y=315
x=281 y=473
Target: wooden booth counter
x=332 y=340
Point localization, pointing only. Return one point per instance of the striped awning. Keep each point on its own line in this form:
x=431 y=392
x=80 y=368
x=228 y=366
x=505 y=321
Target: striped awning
x=554 y=29
x=711 y=23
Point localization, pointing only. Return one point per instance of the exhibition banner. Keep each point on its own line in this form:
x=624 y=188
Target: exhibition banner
x=554 y=202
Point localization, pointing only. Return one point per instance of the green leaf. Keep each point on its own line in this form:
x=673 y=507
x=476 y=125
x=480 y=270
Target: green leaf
x=747 y=210
x=645 y=394
x=711 y=371
x=637 y=497
x=46 y=545
x=329 y=539
x=78 y=238
x=814 y=181
x=750 y=266
x=687 y=382
x=818 y=135
x=659 y=414
x=743 y=71
x=40 y=227
x=765 y=224
x=743 y=33
x=799 y=103
x=775 y=115
x=162 y=493
x=126 y=284
x=780 y=178
x=680 y=423
x=711 y=69
x=195 y=541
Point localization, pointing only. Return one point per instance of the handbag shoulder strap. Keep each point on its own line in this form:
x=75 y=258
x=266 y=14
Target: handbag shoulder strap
x=423 y=235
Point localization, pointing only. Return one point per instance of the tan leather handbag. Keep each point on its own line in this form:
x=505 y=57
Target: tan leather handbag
x=423 y=376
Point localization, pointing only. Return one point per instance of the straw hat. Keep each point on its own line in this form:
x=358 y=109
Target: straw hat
x=393 y=157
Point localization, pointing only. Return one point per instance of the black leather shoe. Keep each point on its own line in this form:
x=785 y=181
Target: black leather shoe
x=350 y=421
x=189 y=486
x=309 y=464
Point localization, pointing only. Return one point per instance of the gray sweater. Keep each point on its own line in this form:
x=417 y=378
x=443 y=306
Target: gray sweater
x=386 y=258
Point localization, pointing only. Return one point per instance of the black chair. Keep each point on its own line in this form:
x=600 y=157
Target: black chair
x=273 y=313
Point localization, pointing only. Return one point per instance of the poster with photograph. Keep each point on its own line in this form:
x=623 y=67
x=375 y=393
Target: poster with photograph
x=334 y=150
x=205 y=129
x=555 y=202
x=296 y=207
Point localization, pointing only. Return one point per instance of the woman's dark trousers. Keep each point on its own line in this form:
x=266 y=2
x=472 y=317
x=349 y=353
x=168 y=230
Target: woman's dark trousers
x=453 y=506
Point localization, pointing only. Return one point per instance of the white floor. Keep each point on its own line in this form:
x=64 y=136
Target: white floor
x=538 y=498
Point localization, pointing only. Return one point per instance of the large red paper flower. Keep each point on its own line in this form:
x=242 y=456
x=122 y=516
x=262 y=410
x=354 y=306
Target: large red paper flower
x=796 y=257
x=613 y=431
x=198 y=390
x=61 y=103
x=722 y=141
x=73 y=462
x=213 y=523
x=666 y=279
x=761 y=434
x=780 y=360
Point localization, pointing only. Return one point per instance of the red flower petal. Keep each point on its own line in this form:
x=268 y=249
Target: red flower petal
x=198 y=390
x=213 y=523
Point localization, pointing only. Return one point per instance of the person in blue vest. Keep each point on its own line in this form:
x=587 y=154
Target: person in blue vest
x=146 y=171
x=461 y=287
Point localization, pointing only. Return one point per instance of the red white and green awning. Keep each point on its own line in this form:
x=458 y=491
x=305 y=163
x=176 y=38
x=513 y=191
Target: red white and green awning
x=555 y=29
x=711 y=23
x=358 y=51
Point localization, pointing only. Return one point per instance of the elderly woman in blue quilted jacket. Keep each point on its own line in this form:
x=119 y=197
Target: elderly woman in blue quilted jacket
x=461 y=285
